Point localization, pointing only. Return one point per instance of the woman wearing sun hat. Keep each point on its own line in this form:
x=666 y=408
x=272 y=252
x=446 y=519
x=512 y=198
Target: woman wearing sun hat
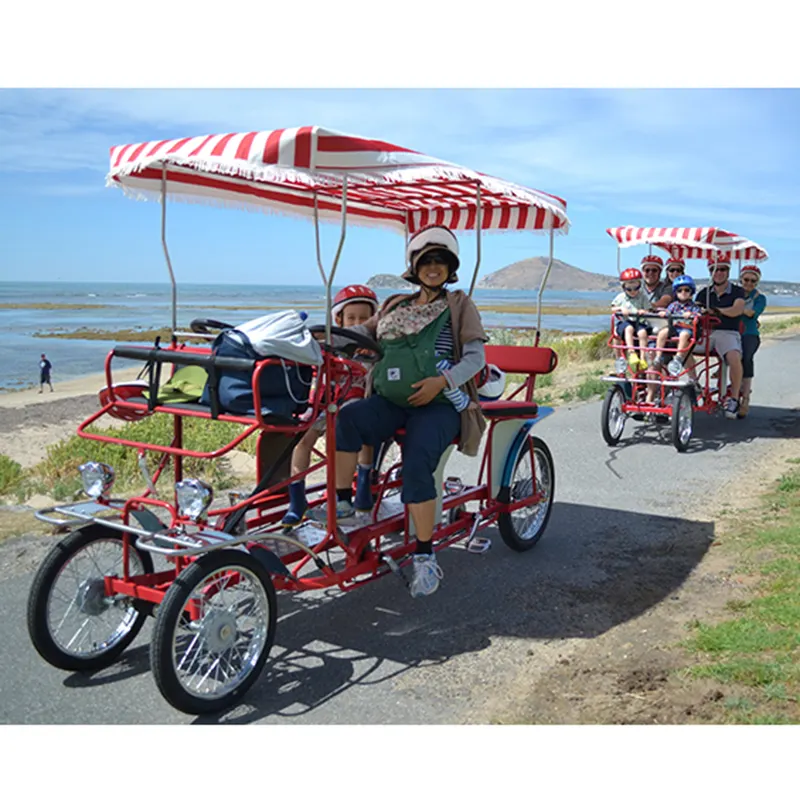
x=754 y=304
x=433 y=344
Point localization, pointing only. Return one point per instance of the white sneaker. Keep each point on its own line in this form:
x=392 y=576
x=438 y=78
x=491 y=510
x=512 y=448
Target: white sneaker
x=731 y=408
x=427 y=574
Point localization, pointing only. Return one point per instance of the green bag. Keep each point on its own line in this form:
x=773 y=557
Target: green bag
x=185 y=386
x=408 y=360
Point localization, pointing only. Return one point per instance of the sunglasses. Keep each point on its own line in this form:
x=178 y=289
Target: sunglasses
x=432 y=258
x=749 y=280
x=675 y=269
x=632 y=287
x=719 y=269
x=683 y=289
x=651 y=269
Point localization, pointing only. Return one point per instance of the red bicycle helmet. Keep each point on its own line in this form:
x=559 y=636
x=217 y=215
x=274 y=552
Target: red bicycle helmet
x=631 y=274
x=750 y=268
x=354 y=294
x=720 y=258
x=653 y=260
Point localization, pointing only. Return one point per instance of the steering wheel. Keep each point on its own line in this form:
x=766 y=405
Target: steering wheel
x=208 y=326
x=358 y=347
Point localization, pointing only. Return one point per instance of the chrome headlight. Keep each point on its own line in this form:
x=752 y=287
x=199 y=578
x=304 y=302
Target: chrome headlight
x=675 y=367
x=97 y=478
x=193 y=498
x=620 y=365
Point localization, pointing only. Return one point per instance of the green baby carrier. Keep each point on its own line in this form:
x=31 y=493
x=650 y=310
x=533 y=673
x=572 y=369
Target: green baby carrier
x=408 y=360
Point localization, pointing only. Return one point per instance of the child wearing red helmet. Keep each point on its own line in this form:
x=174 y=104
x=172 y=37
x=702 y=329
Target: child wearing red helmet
x=351 y=306
x=628 y=304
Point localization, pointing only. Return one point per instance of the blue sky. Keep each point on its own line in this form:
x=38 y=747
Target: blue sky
x=723 y=157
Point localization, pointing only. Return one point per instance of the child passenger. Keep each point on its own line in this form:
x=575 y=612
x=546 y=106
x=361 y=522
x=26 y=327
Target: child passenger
x=353 y=305
x=629 y=303
x=682 y=309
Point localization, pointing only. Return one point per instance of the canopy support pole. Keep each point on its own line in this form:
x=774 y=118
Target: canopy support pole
x=541 y=291
x=619 y=260
x=316 y=234
x=166 y=251
x=478 y=227
x=329 y=282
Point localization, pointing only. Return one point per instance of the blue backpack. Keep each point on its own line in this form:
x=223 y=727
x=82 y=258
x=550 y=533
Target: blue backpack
x=284 y=387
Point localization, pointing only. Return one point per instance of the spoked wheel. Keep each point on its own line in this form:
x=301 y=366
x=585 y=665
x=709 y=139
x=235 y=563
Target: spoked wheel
x=533 y=473
x=72 y=623
x=682 y=420
x=613 y=417
x=213 y=632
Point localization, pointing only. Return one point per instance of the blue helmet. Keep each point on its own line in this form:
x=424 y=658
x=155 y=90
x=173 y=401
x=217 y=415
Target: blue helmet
x=683 y=280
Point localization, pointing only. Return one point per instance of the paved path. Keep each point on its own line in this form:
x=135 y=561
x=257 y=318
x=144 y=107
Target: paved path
x=619 y=541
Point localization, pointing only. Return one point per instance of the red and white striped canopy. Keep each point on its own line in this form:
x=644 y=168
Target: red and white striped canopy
x=284 y=170
x=690 y=242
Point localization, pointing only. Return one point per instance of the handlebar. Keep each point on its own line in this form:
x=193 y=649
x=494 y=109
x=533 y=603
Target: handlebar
x=705 y=313
x=160 y=356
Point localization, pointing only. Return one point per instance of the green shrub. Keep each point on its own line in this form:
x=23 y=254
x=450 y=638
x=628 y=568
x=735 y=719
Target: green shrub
x=590 y=387
x=10 y=474
x=58 y=474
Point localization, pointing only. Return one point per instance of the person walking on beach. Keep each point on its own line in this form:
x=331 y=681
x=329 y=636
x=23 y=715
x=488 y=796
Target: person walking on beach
x=44 y=373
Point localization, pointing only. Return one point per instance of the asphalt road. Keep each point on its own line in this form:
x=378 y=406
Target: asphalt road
x=619 y=541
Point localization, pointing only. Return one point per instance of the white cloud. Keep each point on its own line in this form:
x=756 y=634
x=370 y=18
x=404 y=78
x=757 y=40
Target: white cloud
x=730 y=150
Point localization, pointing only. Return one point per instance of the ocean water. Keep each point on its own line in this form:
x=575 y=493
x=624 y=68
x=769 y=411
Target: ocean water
x=120 y=306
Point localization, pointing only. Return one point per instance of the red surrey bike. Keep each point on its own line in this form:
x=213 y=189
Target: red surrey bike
x=697 y=381
x=213 y=593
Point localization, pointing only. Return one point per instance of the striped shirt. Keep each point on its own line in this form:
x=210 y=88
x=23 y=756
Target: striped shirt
x=445 y=346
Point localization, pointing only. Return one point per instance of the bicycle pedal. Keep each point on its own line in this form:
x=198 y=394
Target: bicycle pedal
x=395 y=568
x=479 y=545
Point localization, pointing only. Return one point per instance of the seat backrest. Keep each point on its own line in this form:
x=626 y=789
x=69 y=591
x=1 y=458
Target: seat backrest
x=522 y=360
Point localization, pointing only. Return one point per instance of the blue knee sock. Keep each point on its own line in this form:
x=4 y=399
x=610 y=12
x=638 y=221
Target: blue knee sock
x=363 y=501
x=297 y=498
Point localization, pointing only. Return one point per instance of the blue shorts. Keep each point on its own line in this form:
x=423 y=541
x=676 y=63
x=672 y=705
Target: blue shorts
x=675 y=329
x=429 y=432
x=637 y=325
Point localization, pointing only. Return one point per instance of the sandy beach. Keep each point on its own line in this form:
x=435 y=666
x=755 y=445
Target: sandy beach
x=30 y=421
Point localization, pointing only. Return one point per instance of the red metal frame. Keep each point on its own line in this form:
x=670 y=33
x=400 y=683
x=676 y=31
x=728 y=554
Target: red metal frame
x=365 y=546
x=707 y=398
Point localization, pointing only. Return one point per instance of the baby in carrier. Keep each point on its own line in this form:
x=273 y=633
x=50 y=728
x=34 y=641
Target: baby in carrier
x=353 y=305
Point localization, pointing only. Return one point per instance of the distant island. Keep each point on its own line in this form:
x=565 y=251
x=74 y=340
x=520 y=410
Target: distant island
x=387 y=281
x=527 y=274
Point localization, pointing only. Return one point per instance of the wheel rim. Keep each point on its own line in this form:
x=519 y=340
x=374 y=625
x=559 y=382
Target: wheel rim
x=528 y=520
x=684 y=419
x=215 y=653
x=81 y=620
x=616 y=417
x=391 y=461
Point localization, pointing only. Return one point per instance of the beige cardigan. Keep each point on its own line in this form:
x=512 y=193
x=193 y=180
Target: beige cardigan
x=467 y=327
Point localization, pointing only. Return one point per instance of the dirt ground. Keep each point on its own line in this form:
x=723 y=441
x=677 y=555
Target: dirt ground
x=633 y=674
